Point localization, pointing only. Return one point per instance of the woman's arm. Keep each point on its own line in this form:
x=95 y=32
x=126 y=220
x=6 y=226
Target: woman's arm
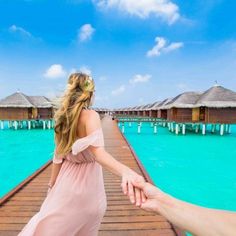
x=114 y=166
x=54 y=173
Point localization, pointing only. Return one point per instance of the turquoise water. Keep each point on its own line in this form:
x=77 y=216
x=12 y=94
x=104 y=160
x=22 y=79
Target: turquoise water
x=22 y=152
x=195 y=168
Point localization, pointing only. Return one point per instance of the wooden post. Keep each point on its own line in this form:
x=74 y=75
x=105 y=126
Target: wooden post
x=123 y=128
x=43 y=124
x=229 y=129
x=213 y=128
x=151 y=124
x=172 y=127
x=203 y=129
x=29 y=124
x=176 y=128
x=139 y=128
x=15 y=124
x=155 y=128
x=221 y=129
x=49 y=124
x=2 y=124
x=183 y=129
x=197 y=128
x=130 y=124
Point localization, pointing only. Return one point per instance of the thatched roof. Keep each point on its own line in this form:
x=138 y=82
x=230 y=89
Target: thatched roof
x=146 y=107
x=217 y=96
x=162 y=104
x=19 y=99
x=40 y=101
x=154 y=105
x=183 y=100
x=16 y=100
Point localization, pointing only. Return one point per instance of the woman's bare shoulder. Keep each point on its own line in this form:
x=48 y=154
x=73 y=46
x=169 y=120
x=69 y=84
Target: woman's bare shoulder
x=89 y=114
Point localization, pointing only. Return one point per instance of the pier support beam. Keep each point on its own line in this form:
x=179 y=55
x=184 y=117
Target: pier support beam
x=2 y=124
x=15 y=124
x=172 y=127
x=44 y=125
x=229 y=129
x=49 y=124
x=204 y=129
x=130 y=124
x=183 y=129
x=213 y=128
x=139 y=127
x=29 y=124
x=221 y=129
x=123 y=128
x=197 y=128
x=155 y=128
x=177 y=129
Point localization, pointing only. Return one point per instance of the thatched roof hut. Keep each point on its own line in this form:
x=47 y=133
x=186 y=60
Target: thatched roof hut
x=20 y=106
x=179 y=109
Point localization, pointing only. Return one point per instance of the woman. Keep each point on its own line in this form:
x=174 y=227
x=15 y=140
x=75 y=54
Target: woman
x=76 y=199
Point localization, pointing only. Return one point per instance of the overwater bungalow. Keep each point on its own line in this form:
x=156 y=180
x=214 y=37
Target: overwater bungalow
x=216 y=105
x=153 y=109
x=179 y=109
x=19 y=106
x=161 y=109
x=146 y=109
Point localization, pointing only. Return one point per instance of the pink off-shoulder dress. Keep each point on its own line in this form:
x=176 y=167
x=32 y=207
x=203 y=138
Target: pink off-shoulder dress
x=77 y=202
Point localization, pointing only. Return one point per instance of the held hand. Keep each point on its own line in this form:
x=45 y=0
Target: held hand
x=151 y=192
x=135 y=194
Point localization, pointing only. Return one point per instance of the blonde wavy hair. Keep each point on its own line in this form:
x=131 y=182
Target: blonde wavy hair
x=78 y=94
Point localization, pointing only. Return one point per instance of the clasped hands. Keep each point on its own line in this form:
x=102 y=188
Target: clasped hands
x=136 y=194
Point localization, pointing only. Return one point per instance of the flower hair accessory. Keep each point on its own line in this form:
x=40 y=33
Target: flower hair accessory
x=88 y=85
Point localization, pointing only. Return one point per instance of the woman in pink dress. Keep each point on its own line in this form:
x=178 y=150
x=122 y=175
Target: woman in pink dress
x=76 y=200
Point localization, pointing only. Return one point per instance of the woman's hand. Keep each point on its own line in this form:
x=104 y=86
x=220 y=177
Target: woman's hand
x=136 y=195
x=49 y=187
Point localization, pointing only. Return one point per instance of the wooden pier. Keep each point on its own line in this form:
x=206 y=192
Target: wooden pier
x=121 y=218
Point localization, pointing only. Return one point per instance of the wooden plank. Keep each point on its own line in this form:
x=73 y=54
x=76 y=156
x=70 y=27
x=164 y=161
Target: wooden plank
x=121 y=218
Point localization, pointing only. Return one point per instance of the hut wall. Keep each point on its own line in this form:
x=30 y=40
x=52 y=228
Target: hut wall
x=163 y=114
x=154 y=113
x=220 y=115
x=44 y=113
x=180 y=114
x=13 y=113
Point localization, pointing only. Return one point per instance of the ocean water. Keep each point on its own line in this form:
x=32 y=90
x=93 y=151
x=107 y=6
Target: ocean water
x=194 y=168
x=22 y=152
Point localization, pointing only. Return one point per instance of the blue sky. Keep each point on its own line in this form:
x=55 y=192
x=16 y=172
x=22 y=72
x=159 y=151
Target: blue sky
x=138 y=52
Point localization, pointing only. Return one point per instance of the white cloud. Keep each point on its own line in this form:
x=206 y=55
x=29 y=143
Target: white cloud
x=140 y=79
x=173 y=46
x=162 y=46
x=20 y=30
x=55 y=71
x=85 y=32
x=164 y=9
x=118 y=91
